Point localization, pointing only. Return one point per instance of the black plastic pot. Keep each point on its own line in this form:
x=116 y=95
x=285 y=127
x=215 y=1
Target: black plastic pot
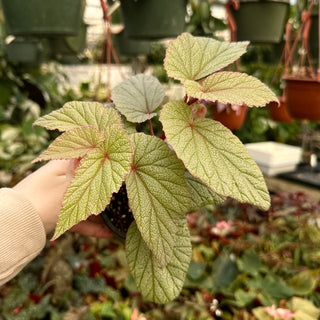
x=26 y=51
x=261 y=21
x=43 y=17
x=153 y=19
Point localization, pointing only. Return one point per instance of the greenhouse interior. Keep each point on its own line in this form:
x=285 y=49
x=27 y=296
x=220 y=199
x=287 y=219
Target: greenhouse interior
x=159 y=160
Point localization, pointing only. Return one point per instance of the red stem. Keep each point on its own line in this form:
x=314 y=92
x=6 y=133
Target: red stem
x=150 y=127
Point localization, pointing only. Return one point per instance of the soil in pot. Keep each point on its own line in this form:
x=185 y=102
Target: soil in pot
x=117 y=215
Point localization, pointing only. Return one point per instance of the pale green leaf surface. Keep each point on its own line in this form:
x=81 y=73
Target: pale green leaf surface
x=194 y=58
x=80 y=114
x=231 y=87
x=72 y=144
x=214 y=155
x=158 y=284
x=303 y=309
x=157 y=192
x=201 y=195
x=100 y=174
x=137 y=97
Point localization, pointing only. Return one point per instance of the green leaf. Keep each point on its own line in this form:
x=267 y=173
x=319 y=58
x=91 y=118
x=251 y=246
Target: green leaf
x=243 y=297
x=261 y=314
x=214 y=155
x=231 y=87
x=197 y=270
x=225 y=270
x=157 y=192
x=193 y=58
x=137 y=97
x=303 y=309
x=80 y=114
x=201 y=195
x=273 y=285
x=100 y=174
x=304 y=282
x=73 y=144
x=158 y=284
x=250 y=262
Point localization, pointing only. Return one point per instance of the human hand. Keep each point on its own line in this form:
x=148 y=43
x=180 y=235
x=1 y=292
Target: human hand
x=45 y=189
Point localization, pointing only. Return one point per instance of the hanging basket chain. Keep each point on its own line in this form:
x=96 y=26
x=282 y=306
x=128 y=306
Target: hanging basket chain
x=304 y=32
x=108 y=45
x=232 y=25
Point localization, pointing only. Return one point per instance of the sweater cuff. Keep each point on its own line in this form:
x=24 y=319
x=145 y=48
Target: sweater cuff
x=22 y=234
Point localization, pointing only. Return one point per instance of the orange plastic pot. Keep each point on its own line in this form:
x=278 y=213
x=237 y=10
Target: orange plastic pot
x=232 y=119
x=279 y=112
x=303 y=98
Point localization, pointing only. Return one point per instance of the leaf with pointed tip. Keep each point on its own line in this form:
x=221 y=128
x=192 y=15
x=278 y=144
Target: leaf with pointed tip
x=72 y=144
x=100 y=174
x=157 y=192
x=214 y=155
x=201 y=195
x=137 y=97
x=194 y=58
x=79 y=114
x=158 y=284
x=231 y=87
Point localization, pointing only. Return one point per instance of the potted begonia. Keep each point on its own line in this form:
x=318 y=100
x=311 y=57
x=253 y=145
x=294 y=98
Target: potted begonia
x=157 y=179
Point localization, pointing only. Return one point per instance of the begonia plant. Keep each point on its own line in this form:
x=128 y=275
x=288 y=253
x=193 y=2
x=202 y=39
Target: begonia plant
x=195 y=161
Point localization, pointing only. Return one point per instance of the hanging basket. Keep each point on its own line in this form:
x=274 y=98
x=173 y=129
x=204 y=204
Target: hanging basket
x=131 y=47
x=230 y=118
x=261 y=21
x=26 y=51
x=153 y=19
x=303 y=97
x=280 y=112
x=42 y=17
x=67 y=49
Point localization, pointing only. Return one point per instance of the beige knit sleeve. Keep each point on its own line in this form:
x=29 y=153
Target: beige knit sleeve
x=22 y=235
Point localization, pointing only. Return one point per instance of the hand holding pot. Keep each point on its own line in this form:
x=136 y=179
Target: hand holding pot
x=45 y=189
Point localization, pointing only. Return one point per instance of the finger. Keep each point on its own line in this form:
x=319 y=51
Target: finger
x=92 y=229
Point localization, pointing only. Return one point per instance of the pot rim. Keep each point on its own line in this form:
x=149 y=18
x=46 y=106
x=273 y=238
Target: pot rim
x=300 y=78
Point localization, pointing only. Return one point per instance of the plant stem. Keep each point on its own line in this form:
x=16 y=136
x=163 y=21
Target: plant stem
x=150 y=127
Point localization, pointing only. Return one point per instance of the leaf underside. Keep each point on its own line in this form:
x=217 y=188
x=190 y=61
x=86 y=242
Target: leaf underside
x=158 y=284
x=137 y=97
x=213 y=154
x=158 y=194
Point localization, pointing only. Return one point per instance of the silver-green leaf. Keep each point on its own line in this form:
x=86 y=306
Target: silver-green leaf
x=156 y=283
x=157 y=192
x=194 y=58
x=213 y=154
x=76 y=114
